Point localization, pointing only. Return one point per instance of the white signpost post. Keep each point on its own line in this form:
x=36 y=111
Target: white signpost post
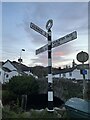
x=51 y=44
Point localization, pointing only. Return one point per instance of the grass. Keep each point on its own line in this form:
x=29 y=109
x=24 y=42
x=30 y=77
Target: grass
x=0 y=94
x=35 y=114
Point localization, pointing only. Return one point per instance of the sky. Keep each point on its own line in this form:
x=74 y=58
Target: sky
x=17 y=34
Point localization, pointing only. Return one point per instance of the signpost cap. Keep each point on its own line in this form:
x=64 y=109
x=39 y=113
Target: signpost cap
x=49 y=24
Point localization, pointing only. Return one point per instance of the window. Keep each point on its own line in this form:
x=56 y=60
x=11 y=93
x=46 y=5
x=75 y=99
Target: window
x=64 y=75
x=70 y=74
x=0 y=72
x=7 y=75
x=59 y=75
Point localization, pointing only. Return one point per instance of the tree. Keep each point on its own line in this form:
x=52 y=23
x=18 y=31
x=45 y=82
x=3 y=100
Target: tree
x=23 y=85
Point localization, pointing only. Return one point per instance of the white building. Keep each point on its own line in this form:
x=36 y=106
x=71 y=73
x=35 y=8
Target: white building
x=10 y=69
x=4 y=75
x=7 y=71
x=72 y=73
x=1 y=75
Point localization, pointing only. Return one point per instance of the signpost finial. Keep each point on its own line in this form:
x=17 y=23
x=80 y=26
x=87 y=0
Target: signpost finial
x=49 y=24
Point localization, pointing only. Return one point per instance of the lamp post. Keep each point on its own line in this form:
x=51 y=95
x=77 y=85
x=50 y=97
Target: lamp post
x=20 y=60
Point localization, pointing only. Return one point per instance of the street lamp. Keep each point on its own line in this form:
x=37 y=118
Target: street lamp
x=20 y=60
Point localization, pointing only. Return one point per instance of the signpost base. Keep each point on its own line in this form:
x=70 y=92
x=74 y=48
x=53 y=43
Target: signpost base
x=49 y=110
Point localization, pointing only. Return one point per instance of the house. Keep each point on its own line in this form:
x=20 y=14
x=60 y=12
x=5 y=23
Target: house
x=13 y=68
x=2 y=73
x=7 y=71
x=73 y=73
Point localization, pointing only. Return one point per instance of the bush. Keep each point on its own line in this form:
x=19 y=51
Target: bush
x=6 y=113
x=23 y=85
x=7 y=97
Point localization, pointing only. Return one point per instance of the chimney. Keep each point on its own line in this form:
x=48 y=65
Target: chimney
x=73 y=63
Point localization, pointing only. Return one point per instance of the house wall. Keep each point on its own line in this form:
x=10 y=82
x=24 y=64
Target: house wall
x=75 y=74
x=88 y=75
x=13 y=73
x=1 y=75
x=29 y=73
x=5 y=76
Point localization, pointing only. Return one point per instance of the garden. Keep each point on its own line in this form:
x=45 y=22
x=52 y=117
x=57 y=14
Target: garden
x=19 y=94
x=14 y=99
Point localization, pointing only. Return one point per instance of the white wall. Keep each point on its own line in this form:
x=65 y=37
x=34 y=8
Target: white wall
x=5 y=76
x=75 y=75
x=13 y=73
x=1 y=75
x=8 y=75
x=29 y=73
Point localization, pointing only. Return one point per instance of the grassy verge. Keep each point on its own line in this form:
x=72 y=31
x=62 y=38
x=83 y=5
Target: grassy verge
x=34 y=114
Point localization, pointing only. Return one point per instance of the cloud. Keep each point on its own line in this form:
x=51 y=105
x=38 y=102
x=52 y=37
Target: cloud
x=60 y=55
x=67 y=17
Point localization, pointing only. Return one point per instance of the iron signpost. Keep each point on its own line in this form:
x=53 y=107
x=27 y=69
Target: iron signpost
x=38 y=29
x=50 y=81
x=49 y=47
x=58 y=42
x=81 y=67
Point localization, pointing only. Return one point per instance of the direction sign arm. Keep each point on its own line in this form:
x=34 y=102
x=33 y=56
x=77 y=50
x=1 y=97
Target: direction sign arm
x=38 y=29
x=42 y=49
x=58 y=42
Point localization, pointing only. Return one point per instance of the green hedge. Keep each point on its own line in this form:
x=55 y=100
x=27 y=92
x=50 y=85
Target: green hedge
x=23 y=85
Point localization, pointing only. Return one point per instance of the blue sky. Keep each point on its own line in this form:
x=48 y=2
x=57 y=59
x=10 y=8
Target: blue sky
x=17 y=34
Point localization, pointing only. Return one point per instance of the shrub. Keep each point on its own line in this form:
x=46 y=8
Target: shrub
x=7 y=97
x=6 y=113
x=23 y=85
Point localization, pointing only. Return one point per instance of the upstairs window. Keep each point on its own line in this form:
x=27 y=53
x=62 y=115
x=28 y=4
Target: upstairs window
x=70 y=74
x=7 y=75
x=64 y=75
x=59 y=75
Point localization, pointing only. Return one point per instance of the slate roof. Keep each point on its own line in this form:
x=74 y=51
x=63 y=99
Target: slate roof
x=1 y=63
x=65 y=70
x=19 y=66
x=6 y=69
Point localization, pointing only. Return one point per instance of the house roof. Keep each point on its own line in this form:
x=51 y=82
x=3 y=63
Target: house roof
x=1 y=63
x=19 y=66
x=65 y=70
x=6 y=69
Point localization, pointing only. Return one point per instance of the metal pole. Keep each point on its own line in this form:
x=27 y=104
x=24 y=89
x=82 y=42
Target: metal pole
x=50 y=81
x=20 y=60
x=84 y=85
